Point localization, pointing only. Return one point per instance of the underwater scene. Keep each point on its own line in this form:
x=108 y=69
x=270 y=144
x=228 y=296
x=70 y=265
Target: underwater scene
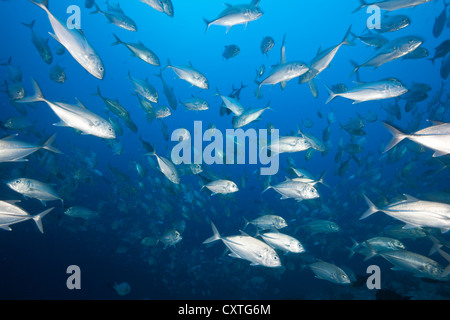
x=246 y=150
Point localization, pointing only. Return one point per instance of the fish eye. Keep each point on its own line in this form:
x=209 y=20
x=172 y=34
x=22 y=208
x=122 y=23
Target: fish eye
x=275 y=258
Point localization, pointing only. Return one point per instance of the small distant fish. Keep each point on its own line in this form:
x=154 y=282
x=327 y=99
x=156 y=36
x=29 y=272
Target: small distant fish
x=170 y=238
x=80 y=212
x=330 y=272
x=440 y=21
x=267 y=44
x=57 y=74
x=231 y=51
x=41 y=44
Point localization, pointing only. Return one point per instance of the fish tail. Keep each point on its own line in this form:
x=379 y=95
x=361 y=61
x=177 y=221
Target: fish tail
x=98 y=93
x=38 y=219
x=372 y=252
x=356 y=68
x=43 y=4
x=322 y=182
x=96 y=10
x=372 y=208
x=216 y=236
x=30 y=25
x=397 y=137
x=7 y=63
x=48 y=145
x=208 y=23
x=446 y=256
x=363 y=4
x=37 y=97
x=352 y=249
x=269 y=187
x=169 y=64
x=346 y=41
x=118 y=41
x=436 y=245
x=332 y=95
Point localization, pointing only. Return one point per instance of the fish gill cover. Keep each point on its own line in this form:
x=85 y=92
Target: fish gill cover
x=200 y=150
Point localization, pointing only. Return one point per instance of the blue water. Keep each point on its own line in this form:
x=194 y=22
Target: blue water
x=108 y=248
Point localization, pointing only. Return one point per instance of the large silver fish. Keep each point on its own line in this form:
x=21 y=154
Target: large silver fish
x=139 y=50
x=391 y=5
x=189 y=74
x=76 y=117
x=236 y=14
x=384 y=89
x=436 y=137
x=390 y=51
x=248 y=248
x=34 y=189
x=415 y=213
x=283 y=72
x=295 y=189
x=11 y=214
x=118 y=18
x=164 y=6
x=221 y=187
x=75 y=42
x=12 y=150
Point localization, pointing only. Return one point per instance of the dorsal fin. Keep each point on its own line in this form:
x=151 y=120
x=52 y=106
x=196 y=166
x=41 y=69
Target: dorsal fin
x=283 y=50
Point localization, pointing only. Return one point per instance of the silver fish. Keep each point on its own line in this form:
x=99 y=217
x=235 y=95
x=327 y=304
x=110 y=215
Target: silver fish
x=384 y=89
x=236 y=14
x=248 y=248
x=221 y=187
x=415 y=213
x=164 y=6
x=76 y=43
x=189 y=74
x=391 y=5
x=140 y=50
x=295 y=189
x=76 y=117
x=35 y=189
x=12 y=150
x=436 y=137
x=330 y=272
x=11 y=214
